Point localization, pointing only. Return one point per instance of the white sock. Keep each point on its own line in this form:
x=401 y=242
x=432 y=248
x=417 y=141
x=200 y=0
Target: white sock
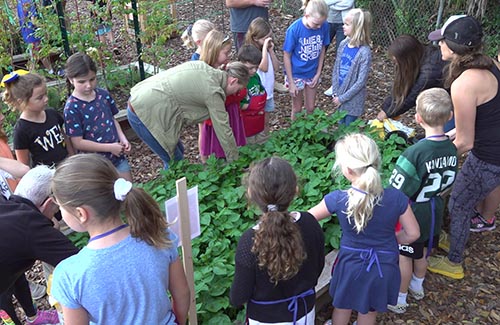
x=416 y=283
x=402 y=298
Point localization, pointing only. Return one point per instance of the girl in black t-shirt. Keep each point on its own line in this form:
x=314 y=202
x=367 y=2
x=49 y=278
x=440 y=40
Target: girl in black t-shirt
x=38 y=134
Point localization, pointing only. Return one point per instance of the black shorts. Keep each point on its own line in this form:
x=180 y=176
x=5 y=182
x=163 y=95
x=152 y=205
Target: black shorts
x=415 y=250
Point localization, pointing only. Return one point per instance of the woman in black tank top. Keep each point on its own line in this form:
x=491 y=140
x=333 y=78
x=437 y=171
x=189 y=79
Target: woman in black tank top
x=474 y=80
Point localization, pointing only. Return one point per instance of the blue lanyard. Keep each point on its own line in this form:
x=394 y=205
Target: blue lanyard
x=107 y=233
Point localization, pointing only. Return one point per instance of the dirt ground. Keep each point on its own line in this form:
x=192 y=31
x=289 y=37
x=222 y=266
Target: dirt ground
x=473 y=300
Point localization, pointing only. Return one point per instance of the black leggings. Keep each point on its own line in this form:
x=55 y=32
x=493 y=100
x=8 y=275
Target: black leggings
x=21 y=290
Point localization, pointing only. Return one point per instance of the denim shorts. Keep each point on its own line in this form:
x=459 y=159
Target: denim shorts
x=269 y=105
x=122 y=165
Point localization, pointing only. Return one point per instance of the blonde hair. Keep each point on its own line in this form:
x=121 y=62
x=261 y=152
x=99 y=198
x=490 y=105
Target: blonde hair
x=361 y=27
x=315 y=8
x=361 y=156
x=259 y=28
x=278 y=244
x=88 y=180
x=212 y=45
x=196 y=32
x=434 y=106
x=18 y=92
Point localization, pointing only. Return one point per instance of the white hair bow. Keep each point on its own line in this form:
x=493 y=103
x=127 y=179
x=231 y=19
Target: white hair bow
x=121 y=188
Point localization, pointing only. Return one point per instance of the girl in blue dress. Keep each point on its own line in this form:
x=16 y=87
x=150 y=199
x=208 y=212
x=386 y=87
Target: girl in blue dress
x=366 y=276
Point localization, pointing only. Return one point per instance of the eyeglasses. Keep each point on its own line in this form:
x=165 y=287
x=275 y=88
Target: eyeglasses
x=226 y=39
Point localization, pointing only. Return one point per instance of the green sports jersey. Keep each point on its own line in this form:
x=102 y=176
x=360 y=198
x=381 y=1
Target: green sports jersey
x=423 y=172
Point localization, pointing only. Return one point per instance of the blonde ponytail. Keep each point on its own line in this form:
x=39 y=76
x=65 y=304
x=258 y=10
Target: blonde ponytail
x=360 y=155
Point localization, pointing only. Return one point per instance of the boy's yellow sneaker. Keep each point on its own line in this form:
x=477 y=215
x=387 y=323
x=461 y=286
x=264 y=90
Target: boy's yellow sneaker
x=442 y=265
x=444 y=241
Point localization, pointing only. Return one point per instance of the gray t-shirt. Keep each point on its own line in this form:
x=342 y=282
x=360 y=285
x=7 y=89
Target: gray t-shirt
x=241 y=18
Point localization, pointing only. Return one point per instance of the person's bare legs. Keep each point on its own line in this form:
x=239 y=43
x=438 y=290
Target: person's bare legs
x=310 y=98
x=341 y=316
x=297 y=103
x=266 y=123
x=420 y=265
x=367 y=319
x=406 y=269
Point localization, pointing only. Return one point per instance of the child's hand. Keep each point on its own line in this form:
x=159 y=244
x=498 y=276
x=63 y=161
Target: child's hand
x=268 y=43
x=125 y=145
x=381 y=116
x=292 y=89
x=315 y=80
x=336 y=101
x=116 y=148
x=263 y=3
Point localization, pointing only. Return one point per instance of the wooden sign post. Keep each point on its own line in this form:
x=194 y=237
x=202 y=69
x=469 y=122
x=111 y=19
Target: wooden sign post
x=187 y=254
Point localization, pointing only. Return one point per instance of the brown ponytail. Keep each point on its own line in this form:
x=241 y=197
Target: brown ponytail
x=278 y=243
x=145 y=218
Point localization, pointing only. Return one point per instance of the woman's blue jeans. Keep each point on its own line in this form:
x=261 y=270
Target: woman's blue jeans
x=142 y=132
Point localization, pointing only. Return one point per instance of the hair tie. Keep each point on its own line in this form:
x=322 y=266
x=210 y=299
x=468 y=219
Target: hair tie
x=121 y=188
x=12 y=76
x=368 y=166
x=272 y=207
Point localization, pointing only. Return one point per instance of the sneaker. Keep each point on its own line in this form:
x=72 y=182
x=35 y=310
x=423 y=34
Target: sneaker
x=38 y=291
x=479 y=223
x=398 y=309
x=417 y=295
x=444 y=241
x=443 y=266
x=281 y=88
x=329 y=92
x=44 y=317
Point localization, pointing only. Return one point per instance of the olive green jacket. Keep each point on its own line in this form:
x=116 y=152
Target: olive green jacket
x=188 y=93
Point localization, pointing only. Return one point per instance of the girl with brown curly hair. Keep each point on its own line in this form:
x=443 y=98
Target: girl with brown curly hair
x=279 y=260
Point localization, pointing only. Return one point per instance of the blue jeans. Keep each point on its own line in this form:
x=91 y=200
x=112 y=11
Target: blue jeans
x=348 y=119
x=337 y=31
x=142 y=132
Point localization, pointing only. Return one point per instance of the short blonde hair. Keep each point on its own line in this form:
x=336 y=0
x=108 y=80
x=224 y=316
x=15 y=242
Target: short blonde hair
x=361 y=27
x=196 y=32
x=434 y=106
x=315 y=8
x=212 y=45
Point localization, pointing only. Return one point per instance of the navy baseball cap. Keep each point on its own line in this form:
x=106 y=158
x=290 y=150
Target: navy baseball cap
x=459 y=29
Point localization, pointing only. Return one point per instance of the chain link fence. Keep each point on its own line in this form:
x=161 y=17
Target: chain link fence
x=392 y=18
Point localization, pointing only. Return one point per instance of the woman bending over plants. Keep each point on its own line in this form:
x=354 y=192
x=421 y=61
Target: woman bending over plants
x=279 y=260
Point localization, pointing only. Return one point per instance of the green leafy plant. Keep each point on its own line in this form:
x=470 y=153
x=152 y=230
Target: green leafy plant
x=225 y=213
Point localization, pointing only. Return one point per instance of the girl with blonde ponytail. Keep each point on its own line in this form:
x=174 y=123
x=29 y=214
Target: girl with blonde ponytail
x=123 y=274
x=366 y=276
x=279 y=260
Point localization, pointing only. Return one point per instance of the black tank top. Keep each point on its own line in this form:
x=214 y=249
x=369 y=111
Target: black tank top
x=487 y=127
